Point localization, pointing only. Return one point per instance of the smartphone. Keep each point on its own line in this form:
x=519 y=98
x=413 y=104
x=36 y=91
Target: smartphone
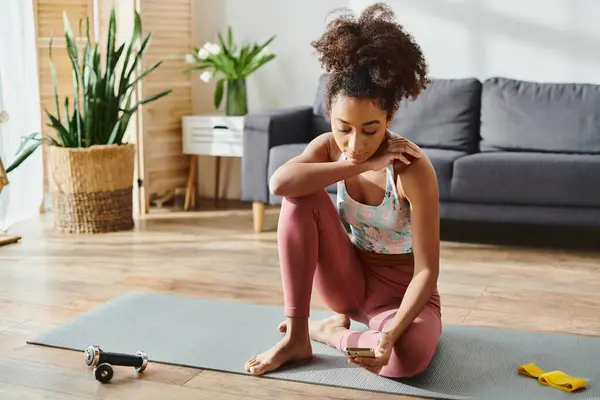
x=360 y=352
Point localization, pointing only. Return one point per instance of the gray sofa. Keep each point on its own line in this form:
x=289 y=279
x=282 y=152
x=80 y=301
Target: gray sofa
x=504 y=150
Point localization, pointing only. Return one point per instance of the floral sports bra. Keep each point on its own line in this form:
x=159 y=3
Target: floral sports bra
x=382 y=229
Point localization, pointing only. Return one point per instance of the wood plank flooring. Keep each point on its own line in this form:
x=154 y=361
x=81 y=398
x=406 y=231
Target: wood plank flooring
x=535 y=281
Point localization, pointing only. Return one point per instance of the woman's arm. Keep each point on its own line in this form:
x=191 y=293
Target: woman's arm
x=312 y=170
x=420 y=186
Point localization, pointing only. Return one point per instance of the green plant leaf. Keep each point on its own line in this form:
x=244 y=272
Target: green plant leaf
x=224 y=65
x=50 y=140
x=197 y=67
x=88 y=78
x=230 y=40
x=67 y=118
x=73 y=53
x=138 y=56
x=23 y=156
x=244 y=57
x=102 y=96
x=26 y=140
x=114 y=133
x=228 y=58
x=256 y=51
x=62 y=133
x=257 y=64
x=54 y=79
x=143 y=74
x=110 y=42
x=219 y=92
x=153 y=98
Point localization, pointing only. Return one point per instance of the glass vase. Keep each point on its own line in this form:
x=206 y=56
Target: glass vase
x=237 y=97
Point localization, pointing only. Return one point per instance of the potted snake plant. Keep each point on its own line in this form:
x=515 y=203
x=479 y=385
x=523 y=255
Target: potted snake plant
x=90 y=164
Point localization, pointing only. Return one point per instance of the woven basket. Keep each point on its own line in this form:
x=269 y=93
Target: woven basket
x=91 y=188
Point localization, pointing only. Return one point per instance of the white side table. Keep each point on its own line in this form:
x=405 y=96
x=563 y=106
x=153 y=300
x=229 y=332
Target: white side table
x=211 y=135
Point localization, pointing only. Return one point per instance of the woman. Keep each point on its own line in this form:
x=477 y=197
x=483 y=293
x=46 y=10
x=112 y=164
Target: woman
x=374 y=255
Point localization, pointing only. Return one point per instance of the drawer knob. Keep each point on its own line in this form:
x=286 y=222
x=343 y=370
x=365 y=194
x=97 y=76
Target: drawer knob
x=3 y=116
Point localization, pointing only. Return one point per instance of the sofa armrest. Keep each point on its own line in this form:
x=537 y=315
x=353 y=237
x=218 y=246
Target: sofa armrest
x=263 y=131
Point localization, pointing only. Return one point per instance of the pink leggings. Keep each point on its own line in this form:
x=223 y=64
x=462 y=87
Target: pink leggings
x=314 y=248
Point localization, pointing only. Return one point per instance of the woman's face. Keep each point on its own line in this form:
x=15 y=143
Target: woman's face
x=359 y=127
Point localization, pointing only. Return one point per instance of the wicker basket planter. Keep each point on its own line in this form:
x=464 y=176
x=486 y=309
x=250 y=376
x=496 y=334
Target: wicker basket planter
x=91 y=188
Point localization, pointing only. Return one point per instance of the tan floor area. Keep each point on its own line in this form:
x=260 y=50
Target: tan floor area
x=47 y=279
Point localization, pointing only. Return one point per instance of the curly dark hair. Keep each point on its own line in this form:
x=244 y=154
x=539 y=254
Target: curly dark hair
x=371 y=56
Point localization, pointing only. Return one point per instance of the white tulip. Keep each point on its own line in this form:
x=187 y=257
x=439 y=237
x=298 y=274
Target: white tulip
x=209 y=49
x=203 y=53
x=213 y=48
x=206 y=76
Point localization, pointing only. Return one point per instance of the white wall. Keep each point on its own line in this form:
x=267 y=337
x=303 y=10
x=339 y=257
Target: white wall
x=539 y=40
x=291 y=78
x=288 y=80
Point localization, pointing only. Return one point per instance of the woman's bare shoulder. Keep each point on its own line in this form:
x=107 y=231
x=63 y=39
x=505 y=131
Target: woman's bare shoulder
x=419 y=173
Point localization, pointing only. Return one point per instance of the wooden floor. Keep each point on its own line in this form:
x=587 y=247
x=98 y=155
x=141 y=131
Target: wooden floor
x=537 y=281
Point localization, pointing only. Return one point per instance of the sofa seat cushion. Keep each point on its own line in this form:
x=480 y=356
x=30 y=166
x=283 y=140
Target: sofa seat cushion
x=523 y=178
x=442 y=161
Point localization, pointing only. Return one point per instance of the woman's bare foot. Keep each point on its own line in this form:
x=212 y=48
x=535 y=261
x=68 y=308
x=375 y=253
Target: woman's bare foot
x=323 y=331
x=295 y=346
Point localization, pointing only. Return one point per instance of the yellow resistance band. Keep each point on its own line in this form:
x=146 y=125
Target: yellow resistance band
x=555 y=379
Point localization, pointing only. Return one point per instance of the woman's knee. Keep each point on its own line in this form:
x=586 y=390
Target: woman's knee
x=303 y=208
x=414 y=351
x=404 y=364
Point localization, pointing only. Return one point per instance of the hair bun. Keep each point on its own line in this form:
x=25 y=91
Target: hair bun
x=372 y=44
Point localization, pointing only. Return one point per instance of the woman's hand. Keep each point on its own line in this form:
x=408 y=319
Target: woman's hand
x=392 y=149
x=383 y=351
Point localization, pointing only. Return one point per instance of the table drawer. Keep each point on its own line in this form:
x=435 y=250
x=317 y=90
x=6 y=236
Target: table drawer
x=215 y=142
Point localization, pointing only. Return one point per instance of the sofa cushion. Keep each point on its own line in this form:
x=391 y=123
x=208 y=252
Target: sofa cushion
x=523 y=178
x=547 y=117
x=445 y=115
x=442 y=161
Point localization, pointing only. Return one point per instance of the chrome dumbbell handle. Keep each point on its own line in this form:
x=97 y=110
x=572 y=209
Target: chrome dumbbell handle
x=95 y=356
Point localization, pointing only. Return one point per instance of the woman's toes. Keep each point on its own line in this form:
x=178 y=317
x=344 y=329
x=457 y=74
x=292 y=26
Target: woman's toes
x=259 y=369
x=250 y=362
x=254 y=363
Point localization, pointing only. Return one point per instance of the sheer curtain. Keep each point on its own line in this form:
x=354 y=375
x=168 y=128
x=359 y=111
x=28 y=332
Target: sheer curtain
x=19 y=100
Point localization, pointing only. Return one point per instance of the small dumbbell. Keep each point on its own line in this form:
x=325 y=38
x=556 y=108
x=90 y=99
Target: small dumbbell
x=103 y=362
